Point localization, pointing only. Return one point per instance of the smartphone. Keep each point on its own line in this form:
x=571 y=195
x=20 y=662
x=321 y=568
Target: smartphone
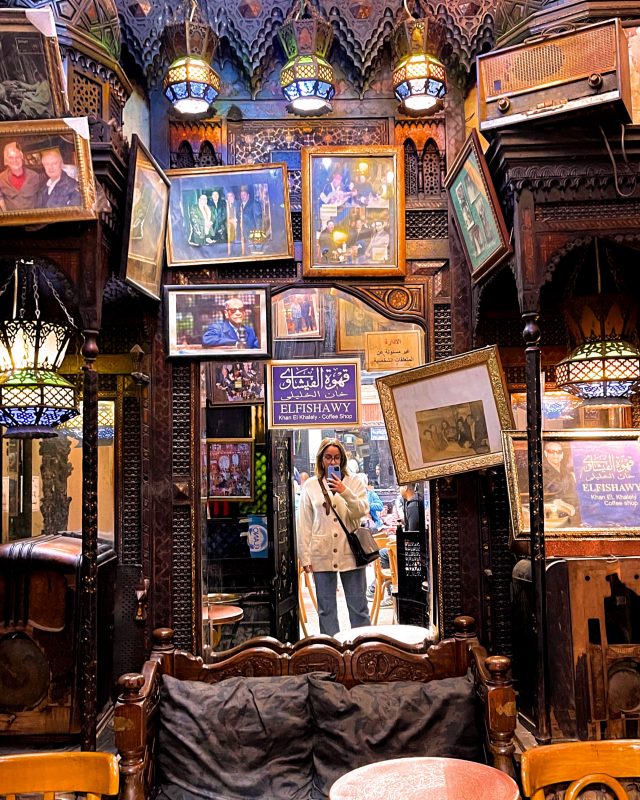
x=333 y=471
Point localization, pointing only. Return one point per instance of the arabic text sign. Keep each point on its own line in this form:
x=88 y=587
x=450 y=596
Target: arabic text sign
x=314 y=394
x=393 y=350
x=608 y=483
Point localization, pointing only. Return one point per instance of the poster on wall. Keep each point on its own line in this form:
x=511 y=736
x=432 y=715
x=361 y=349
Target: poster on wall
x=314 y=394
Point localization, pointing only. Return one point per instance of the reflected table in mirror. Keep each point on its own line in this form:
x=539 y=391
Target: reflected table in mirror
x=407 y=634
x=426 y=777
x=214 y=616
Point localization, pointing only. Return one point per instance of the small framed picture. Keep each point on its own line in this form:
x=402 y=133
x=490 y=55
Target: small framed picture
x=446 y=417
x=353 y=211
x=354 y=322
x=229 y=215
x=476 y=210
x=298 y=315
x=145 y=221
x=47 y=175
x=31 y=73
x=223 y=322
x=230 y=469
x=234 y=382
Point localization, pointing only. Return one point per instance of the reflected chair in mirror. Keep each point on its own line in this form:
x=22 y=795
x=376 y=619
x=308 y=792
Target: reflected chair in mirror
x=581 y=764
x=47 y=774
x=305 y=580
x=382 y=579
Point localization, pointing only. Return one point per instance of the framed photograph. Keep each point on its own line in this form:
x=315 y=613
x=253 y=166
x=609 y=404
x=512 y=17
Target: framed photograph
x=230 y=469
x=393 y=350
x=591 y=480
x=145 y=221
x=298 y=315
x=229 y=214
x=47 y=175
x=355 y=320
x=353 y=211
x=446 y=417
x=32 y=84
x=236 y=382
x=222 y=322
x=476 y=210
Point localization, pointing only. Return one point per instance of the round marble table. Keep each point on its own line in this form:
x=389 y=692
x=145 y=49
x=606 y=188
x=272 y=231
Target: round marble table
x=215 y=616
x=425 y=779
x=407 y=634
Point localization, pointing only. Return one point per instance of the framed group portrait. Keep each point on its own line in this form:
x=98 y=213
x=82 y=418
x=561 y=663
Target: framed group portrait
x=230 y=469
x=353 y=211
x=235 y=382
x=145 y=221
x=298 y=315
x=591 y=483
x=32 y=82
x=219 y=322
x=476 y=210
x=47 y=175
x=446 y=417
x=229 y=214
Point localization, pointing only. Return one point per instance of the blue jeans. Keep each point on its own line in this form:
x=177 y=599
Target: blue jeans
x=354 y=583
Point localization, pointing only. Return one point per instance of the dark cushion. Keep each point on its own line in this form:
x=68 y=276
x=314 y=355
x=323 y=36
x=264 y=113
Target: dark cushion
x=376 y=721
x=238 y=739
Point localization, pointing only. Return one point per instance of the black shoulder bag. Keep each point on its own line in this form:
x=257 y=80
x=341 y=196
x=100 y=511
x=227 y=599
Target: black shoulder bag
x=362 y=544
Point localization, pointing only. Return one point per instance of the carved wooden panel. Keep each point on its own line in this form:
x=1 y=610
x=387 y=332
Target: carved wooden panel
x=195 y=144
x=131 y=482
x=442 y=336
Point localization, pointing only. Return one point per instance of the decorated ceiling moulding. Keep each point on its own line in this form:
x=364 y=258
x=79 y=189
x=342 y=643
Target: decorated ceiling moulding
x=420 y=131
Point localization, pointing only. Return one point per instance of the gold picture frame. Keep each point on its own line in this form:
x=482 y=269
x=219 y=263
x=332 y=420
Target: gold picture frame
x=591 y=480
x=353 y=211
x=230 y=469
x=446 y=417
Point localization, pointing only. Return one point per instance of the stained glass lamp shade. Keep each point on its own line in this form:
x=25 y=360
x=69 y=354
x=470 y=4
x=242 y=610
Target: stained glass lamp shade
x=419 y=77
x=307 y=78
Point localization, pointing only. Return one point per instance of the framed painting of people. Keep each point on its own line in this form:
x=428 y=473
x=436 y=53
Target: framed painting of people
x=446 y=417
x=590 y=478
x=32 y=82
x=476 y=210
x=230 y=469
x=229 y=214
x=227 y=322
x=353 y=211
x=47 y=174
x=234 y=382
x=145 y=220
x=298 y=314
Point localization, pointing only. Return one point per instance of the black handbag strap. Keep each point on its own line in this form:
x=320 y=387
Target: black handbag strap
x=333 y=508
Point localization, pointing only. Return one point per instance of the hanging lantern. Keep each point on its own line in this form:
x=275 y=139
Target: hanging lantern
x=307 y=78
x=419 y=77
x=191 y=84
x=34 y=398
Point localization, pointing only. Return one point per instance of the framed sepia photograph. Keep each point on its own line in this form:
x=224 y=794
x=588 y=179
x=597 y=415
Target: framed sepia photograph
x=32 y=84
x=476 y=210
x=145 y=221
x=591 y=480
x=354 y=322
x=298 y=315
x=353 y=211
x=230 y=469
x=446 y=417
x=234 y=382
x=220 y=322
x=47 y=175
x=229 y=214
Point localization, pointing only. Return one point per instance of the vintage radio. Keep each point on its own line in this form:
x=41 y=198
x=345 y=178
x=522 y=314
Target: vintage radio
x=583 y=70
x=40 y=634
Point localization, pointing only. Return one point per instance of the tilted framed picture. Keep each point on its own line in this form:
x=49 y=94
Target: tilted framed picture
x=446 y=417
x=476 y=210
x=229 y=214
x=353 y=211
x=145 y=221
x=230 y=469
x=227 y=322
x=591 y=483
x=47 y=175
x=32 y=82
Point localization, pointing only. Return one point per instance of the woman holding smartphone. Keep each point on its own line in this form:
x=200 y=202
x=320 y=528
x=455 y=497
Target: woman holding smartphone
x=322 y=544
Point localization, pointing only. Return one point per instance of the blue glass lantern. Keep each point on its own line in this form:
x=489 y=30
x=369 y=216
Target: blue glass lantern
x=307 y=78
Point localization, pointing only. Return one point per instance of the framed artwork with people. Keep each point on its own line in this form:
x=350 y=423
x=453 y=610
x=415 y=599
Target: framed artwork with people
x=476 y=210
x=353 y=211
x=234 y=382
x=31 y=72
x=298 y=314
x=229 y=214
x=46 y=173
x=227 y=322
x=230 y=469
x=446 y=417
x=145 y=221
x=591 y=483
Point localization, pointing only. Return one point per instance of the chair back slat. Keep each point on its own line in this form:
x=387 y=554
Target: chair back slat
x=50 y=773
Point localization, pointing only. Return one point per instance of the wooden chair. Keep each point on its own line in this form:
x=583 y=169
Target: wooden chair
x=382 y=579
x=305 y=578
x=582 y=764
x=93 y=774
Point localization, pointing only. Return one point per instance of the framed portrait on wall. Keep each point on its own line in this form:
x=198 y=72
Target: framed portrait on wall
x=32 y=82
x=446 y=417
x=227 y=322
x=234 y=382
x=476 y=210
x=145 y=221
x=48 y=175
x=229 y=214
x=354 y=322
x=353 y=211
x=230 y=469
x=298 y=315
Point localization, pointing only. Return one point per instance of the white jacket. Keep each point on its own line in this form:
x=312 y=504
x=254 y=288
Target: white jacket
x=321 y=540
